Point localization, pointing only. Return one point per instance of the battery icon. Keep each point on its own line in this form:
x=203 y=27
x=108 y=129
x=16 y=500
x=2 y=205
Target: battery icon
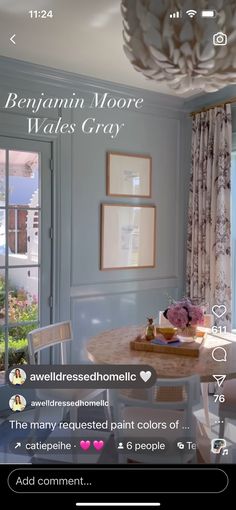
x=208 y=14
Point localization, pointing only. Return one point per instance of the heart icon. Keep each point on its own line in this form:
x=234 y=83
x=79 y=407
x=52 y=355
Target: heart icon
x=219 y=310
x=98 y=445
x=85 y=445
x=145 y=376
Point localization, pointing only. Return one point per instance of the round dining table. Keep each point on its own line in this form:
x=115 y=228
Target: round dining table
x=113 y=347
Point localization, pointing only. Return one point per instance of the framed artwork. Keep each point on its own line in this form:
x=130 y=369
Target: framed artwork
x=129 y=175
x=128 y=236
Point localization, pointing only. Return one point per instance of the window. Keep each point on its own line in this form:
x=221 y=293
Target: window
x=22 y=243
x=233 y=234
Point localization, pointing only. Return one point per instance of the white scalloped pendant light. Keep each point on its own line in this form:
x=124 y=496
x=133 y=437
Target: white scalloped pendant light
x=180 y=52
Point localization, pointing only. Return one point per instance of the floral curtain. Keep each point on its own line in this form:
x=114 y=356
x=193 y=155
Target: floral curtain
x=209 y=234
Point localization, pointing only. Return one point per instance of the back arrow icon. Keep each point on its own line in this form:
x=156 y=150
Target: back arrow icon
x=12 y=38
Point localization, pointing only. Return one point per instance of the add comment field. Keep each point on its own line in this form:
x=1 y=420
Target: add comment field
x=126 y=480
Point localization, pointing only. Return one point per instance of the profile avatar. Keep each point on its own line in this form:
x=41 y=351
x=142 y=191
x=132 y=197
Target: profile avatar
x=17 y=376
x=217 y=445
x=17 y=403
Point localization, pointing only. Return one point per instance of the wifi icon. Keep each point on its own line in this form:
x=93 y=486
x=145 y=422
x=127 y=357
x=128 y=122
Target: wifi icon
x=191 y=13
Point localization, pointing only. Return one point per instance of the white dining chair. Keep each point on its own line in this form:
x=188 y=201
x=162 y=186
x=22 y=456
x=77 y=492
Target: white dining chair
x=127 y=409
x=208 y=323
x=41 y=339
x=227 y=409
x=55 y=342
x=51 y=337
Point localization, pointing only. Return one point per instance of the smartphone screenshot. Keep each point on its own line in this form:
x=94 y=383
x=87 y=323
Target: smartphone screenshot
x=117 y=253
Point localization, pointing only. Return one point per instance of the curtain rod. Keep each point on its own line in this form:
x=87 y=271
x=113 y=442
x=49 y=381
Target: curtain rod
x=228 y=101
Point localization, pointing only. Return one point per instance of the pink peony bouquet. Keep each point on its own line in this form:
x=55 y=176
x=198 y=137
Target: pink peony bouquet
x=183 y=314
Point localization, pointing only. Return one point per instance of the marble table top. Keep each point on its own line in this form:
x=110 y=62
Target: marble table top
x=112 y=347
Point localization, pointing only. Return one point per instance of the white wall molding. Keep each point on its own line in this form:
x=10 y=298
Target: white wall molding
x=108 y=288
x=28 y=76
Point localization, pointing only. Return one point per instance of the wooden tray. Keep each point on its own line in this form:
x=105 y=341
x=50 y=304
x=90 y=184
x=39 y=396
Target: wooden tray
x=183 y=349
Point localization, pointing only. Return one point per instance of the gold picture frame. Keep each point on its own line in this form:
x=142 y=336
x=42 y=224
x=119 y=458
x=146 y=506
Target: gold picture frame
x=128 y=236
x=128 y=175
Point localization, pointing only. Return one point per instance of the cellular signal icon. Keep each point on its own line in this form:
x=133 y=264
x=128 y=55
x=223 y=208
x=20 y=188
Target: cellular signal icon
x=191 y=13
x=177 y=14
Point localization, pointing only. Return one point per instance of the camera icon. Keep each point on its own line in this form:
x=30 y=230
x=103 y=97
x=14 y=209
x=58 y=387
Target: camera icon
x=220 y=39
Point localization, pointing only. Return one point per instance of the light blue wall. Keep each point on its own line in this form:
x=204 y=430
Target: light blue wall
x=145 y=291
x=97 y=300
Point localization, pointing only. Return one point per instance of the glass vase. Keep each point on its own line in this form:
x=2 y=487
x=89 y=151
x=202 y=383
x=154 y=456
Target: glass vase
x=187 y=334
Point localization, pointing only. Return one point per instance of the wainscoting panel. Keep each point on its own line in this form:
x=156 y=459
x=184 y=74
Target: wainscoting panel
x=92 y=315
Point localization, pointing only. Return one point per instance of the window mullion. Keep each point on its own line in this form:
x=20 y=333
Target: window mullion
x=6 y=260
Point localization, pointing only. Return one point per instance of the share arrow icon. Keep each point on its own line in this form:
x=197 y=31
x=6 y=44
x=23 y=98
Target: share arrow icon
x=219 y=379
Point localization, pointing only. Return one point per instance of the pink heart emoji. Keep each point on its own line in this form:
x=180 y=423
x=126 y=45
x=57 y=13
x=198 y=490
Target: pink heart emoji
x=85 y=445
x=98 y=445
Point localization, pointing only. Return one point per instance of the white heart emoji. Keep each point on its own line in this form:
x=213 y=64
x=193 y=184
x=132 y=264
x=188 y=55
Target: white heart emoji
x=145 y=376
x=219 y=310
